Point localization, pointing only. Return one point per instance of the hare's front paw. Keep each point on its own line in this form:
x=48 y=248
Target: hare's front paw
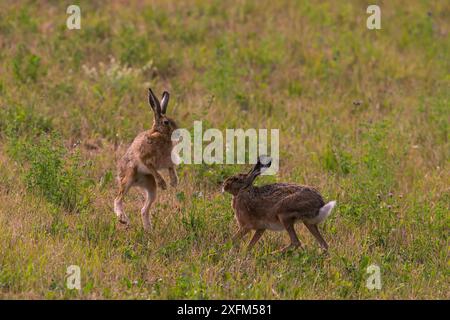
x=162 y=184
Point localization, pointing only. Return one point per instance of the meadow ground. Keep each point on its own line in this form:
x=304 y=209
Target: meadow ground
x=363 y=116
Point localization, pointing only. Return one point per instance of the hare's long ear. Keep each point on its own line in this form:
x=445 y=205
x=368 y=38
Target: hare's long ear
x=262 y=164
x=265 y=162
x=154 y=103
x=164 y=102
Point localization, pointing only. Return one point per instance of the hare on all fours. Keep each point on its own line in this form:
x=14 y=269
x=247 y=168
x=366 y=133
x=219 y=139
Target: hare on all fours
x=149 y=152
x=275 y=206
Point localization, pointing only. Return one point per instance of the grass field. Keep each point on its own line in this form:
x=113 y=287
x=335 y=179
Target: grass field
x=363 y=116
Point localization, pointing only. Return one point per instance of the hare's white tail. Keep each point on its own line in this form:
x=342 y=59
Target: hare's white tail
x=324 y=212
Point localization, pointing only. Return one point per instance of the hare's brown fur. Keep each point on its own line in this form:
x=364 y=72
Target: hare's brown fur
x=149 y=152
x=273 y=207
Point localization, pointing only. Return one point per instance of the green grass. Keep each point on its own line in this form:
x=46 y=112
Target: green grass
x=363 y=116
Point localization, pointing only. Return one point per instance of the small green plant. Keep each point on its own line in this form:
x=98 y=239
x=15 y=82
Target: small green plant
x=56 y=175
x=222 y=76
x=295 y=89
x=26 y=65
x=134 y=47
x=194 y=220
x=20 y=120
x=189 y=285
x=337 y=160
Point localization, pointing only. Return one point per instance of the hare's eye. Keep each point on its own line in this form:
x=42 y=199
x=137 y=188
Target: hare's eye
x=166 y=122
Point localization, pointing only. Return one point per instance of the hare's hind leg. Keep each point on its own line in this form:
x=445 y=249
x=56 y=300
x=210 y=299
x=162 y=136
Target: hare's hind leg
x=148 y=184
x=315 y=232
x=125 y=183
x=288 y=223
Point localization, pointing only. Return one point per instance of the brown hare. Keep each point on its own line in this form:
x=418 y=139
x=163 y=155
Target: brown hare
x=275 y=206
x=149 y=152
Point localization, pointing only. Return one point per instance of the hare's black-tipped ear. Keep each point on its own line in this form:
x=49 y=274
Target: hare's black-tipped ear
x=262 y=163
x=265 y=162
x=154 y=102
x=164 y=102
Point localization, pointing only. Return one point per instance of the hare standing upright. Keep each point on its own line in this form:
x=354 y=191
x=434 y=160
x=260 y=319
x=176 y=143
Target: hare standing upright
x=150 y=151
x=275 y=206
